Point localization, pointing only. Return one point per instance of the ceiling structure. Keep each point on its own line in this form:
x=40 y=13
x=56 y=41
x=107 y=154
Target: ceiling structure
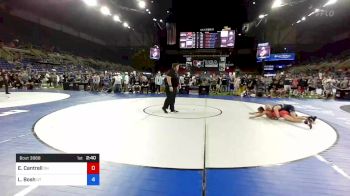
x=189 y=16
x=307 y=17
x=88 y=19
x=193 y=15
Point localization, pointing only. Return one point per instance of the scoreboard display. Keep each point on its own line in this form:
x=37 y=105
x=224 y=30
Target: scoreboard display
x=154 y=53
x=208 y=40
x=187 y=40
x=227 y=39
x=263 y=51
x=211 y=40
x=58 y=169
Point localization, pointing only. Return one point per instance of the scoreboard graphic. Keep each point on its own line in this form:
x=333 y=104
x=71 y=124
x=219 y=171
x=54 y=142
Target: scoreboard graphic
x=208 y=40
x=58 y=169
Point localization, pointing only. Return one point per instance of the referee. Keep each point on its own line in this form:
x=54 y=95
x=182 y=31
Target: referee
x=171 y=83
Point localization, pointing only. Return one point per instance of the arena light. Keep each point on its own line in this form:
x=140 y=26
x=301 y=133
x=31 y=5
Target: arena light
x=116 y=18
x=105 y=11
x=314 y=12
x=303 y=18
x=91 y=3
x=142 y=4
x=149 y=12
x=299 y=21
x=261 y=16
x=330 y=2
x=277 y=3
x=161 y=20
x=154 y=19
x=125 y=24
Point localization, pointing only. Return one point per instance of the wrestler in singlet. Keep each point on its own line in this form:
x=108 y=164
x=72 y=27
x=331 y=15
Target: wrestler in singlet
x=285 y=107
x=271 y=114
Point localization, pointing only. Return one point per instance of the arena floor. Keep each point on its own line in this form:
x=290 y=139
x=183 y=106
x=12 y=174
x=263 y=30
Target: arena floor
x=209 y=148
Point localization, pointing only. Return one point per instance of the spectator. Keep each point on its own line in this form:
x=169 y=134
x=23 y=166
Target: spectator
x=159 y=82
x=237 y=85
x=144 y=84
x=137 y=84
x=95 y=82
x=224 y=83
x=152 y=84
x=17 y=83
x=46 y=79
x=287 y=84
x=30 y=84
x=213 y=82
x=328 y=87
x=344 y=84
x=251 y=83
x=182 y=80
x=218 y=84
x=126 y=82
x=117 y=86
x=4 y=80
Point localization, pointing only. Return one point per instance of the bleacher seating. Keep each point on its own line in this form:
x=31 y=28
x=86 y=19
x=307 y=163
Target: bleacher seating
x=5 y=65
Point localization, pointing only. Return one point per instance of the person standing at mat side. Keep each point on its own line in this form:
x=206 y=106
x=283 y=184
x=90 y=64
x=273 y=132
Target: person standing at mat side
x=5 y=80
x=171 y=82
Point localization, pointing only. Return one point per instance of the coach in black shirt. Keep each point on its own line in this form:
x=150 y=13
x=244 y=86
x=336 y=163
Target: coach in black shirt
x=171 y=82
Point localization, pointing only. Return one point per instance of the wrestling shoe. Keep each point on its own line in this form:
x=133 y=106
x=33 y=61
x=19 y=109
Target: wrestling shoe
x=313 y=118
x=164 y=110
x=308 y=122
x=175 y=111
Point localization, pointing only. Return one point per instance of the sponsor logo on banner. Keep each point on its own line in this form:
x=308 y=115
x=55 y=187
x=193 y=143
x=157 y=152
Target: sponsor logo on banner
x=269 y=67
x=280 y=57
x=210 y=63
x=207 y=29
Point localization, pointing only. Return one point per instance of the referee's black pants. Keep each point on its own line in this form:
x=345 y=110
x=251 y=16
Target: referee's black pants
x=170 y=99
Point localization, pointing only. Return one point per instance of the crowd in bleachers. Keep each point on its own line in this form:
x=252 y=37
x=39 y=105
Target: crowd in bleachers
x=13 y=55
x=291 y=85
x=284 y=84
x=317 y=80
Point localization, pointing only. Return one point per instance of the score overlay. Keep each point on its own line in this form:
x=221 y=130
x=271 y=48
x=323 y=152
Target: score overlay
x=58 y=169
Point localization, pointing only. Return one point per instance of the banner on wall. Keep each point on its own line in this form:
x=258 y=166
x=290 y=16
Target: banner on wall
x=210 y=63
x=171 y=33
x=263 y=51
x=222 y=64
x=280 y=57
